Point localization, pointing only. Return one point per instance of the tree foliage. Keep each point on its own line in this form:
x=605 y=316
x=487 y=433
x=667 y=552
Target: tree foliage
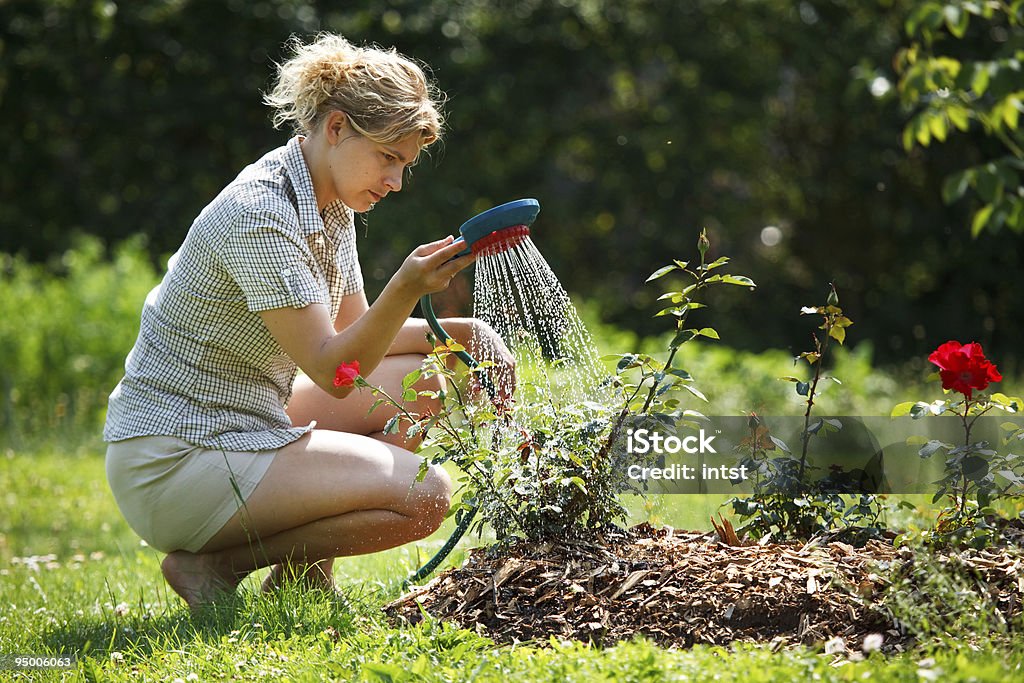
x=774 y=124
x=951 y=79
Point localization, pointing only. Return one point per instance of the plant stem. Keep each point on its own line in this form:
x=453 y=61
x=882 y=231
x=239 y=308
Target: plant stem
x=962 y=502
x=654 y=387
x=821 y=349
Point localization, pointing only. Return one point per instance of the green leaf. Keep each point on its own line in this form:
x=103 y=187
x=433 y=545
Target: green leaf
x=954 y=187
x=1011 y=477
x=938 y=127
x=902 y=409
x=682 y=336
x=411 y=378
x=661 y=272
x=391 y=426
x=629 y=360
x=1011 y=111
x=740 y=280
x=981 y=219
x=708 y=332
x=576 y=481
x=922 y=129
x=974 y=467
x=696 y=392
x=409 y=396
x=908 y=136
x=959 y=116
x=980 y=79
x=717 y=262
x=925 y=16
x=1011 y=404
x=988 y=183
x=838 y=333
x=681 y=374
x=803 y=388
x=956 y=20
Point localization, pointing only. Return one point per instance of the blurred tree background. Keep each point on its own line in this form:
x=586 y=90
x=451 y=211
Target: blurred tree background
x=776 y=124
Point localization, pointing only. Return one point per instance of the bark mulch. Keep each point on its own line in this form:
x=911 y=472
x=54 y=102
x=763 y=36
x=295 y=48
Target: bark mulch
x=681 y=589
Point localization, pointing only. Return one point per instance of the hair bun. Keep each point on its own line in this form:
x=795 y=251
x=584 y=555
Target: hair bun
x=386 y=95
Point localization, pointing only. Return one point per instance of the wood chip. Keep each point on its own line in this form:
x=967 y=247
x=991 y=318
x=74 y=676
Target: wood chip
x=680 y=588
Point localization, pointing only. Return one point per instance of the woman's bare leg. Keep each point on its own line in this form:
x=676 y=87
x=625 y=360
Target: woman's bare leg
x=352 y=414
x=325 y=495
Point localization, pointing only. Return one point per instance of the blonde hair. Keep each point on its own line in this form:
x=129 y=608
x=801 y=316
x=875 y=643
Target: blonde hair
x=386 y=95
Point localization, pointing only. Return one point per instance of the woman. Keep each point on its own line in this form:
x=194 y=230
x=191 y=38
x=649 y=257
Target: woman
x=218 y=455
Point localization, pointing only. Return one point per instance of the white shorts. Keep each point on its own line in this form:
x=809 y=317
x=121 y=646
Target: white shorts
x=177 y=496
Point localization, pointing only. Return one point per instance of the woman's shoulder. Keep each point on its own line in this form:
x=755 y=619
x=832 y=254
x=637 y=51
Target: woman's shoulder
x=259 y=190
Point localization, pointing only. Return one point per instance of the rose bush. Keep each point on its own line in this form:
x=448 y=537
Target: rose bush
x=975 y=475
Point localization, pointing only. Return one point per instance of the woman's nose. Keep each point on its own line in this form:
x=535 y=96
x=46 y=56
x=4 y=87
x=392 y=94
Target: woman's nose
x=394 y=182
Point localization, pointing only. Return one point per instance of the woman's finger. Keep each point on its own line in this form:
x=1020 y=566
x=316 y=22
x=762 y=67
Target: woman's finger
x=433 y=247
x=450 y=251
x=453 y=266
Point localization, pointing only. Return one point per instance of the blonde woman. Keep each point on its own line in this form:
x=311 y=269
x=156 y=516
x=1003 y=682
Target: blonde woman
x=219 y=455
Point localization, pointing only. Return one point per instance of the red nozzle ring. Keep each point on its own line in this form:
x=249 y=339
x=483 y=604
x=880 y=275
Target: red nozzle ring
x=500 y=240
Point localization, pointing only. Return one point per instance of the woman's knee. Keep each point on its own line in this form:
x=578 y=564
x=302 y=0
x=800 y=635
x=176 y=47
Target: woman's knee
x=435 y=498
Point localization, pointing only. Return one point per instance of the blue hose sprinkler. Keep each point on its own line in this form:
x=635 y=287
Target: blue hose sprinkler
x=490 y=232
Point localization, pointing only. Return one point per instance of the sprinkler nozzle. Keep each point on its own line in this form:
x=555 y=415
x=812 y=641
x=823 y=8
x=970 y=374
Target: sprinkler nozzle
x=500 y=240
x=484 y=227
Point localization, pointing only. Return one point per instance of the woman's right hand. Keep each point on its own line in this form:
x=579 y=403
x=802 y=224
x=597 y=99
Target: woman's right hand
x=431 y=267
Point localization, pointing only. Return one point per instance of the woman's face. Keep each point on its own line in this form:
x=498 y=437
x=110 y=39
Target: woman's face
x=361 y=172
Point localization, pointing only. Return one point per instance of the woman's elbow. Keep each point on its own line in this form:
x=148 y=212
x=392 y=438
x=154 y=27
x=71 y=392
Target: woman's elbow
x=339 y=391
x=327 y=384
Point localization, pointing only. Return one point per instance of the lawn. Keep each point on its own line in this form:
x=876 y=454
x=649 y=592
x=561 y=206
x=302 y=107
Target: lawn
x=75 y=580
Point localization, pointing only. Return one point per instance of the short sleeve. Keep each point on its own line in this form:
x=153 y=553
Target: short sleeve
x=269 y=260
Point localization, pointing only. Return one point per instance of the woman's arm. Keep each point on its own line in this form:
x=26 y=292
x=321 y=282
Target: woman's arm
x=309 y=337
x=412 y=338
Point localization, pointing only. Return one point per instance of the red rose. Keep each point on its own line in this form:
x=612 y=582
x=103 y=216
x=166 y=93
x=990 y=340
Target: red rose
x=963 y=367
x=345 y=375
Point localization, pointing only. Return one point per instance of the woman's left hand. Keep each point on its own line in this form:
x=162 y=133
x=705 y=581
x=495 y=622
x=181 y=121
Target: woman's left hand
x=486 y=344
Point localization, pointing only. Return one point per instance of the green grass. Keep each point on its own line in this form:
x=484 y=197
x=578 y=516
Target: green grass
x=74 y=579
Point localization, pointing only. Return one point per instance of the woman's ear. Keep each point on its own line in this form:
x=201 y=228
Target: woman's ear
x=336 y=127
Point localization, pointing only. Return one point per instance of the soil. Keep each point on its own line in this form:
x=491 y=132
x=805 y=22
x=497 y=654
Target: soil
x=680 y=589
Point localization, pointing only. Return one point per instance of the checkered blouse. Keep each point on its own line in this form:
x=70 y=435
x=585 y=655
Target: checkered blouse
x=204 y=367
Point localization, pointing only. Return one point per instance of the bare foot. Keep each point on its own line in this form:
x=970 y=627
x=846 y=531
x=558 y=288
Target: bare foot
x=196 y=578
